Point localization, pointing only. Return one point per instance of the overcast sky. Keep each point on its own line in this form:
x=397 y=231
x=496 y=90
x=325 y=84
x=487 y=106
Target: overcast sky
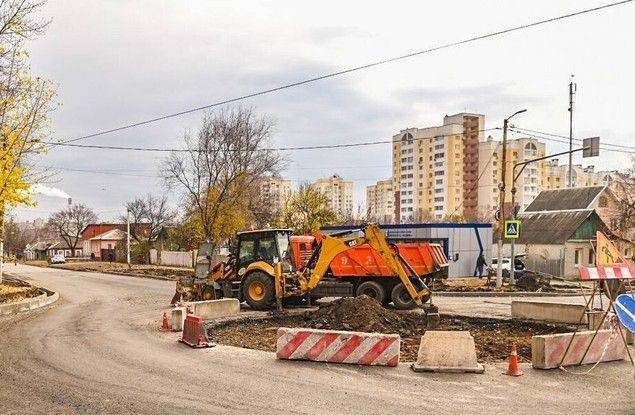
x=116 y=62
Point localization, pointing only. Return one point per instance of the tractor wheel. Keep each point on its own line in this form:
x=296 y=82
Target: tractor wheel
x=372 y=289
x=259 y=290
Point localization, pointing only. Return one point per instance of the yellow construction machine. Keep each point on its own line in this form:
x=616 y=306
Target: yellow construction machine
x=263 y=269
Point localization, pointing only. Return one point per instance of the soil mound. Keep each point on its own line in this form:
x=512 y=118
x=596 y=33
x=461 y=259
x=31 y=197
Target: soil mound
x=362 y=314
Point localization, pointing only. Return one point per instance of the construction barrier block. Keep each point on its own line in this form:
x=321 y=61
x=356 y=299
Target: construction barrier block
x=194 y=332
x=547 y=350
x=447 y=351
x=211 y=309
x=176 y=318
x=373 y=349
x=546 y=311
x=595 y=318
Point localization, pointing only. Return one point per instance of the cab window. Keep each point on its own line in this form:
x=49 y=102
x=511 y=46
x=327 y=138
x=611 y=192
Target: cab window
x=246 y=252
x=267 y=249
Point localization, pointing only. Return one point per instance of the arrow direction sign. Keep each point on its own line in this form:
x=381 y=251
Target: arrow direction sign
x=625 y=310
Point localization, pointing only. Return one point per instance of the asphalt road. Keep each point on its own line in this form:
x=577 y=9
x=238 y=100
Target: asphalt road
x=98 y=350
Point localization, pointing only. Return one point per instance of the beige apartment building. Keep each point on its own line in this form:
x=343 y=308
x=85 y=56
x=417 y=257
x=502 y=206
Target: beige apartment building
x=380 y=201
x=277 y=191
x=557 y=176
x=339 y=193
x=435 y=169
x=530 y=182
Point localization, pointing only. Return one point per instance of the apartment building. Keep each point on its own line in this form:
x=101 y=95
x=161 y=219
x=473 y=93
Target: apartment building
x=530 y=182
x=339 y=193
x=435 y=169
x=380 y=201
x=277 y=191
x=557 y=176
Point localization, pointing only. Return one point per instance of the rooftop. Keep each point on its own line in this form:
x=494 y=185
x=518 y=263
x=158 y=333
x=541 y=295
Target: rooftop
x=575 y=198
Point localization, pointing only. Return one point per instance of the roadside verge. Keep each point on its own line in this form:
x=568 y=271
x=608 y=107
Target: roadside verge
x=45 y=298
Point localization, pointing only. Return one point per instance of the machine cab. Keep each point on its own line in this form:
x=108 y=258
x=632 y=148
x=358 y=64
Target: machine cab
x=268 y=245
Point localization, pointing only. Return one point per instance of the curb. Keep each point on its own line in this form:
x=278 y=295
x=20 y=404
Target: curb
x=151 y=277
x=504 y=294
x=46 y=298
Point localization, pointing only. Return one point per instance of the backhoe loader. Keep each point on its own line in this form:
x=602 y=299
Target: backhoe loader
x=262 y=271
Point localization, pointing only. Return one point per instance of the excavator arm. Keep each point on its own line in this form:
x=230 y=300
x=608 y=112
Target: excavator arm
x=333 y=245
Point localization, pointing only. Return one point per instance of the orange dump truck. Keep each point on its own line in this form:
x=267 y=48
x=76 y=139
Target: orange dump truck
x=361 y=270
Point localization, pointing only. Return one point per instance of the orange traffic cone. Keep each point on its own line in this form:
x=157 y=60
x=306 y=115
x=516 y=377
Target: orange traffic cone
x=166 y=325
x=513 y=368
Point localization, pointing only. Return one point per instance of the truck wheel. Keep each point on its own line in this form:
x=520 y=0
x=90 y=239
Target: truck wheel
x=372 y=289
x=401 y=299
x=259 y=290
x=208 y=293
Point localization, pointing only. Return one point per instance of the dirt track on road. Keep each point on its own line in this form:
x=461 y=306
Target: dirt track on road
x=98 y=350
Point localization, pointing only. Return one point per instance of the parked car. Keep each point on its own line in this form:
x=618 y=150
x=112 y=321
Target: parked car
x=57 y=259
x=519 y=266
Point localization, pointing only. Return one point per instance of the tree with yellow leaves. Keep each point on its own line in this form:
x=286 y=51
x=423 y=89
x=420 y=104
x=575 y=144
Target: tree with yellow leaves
x=25 y=102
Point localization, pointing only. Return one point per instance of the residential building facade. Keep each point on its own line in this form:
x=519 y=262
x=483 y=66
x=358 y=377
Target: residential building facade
x=380 y=201
x=435 y=169
x=276 y=191
x=339 y=193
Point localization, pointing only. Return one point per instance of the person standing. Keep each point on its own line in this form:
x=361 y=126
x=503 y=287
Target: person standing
x=480 y=265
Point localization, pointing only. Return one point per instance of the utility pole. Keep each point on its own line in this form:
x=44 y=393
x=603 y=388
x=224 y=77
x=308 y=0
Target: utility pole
x=128 y=238
x=572 y=90
x=501 y=204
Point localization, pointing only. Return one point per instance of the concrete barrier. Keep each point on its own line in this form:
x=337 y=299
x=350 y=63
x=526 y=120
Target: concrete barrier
x=447 y=351
x=28 y=304
x=547 y=350
x=373 y=349
x=595 y=318
x=212 y=309
x=176 y=318
x=546 y=311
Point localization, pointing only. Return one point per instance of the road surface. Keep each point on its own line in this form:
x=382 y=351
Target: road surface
x=98 y=350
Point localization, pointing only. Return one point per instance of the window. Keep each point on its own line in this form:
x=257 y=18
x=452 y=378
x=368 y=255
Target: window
x=407 y=138
x=591 y=257
x=439 y=173
x=577 y=256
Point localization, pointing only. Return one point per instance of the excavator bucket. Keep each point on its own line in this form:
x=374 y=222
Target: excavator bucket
x=432 y=316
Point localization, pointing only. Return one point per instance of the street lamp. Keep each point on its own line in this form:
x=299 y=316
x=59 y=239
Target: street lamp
x=501 y=197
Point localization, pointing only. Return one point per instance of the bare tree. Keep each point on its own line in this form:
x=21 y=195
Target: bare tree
x=220 y=169
x=148 y=216
x=71 y=221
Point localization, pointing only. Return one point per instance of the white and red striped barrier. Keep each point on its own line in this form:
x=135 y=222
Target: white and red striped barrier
x=374 y=349
x=547 y=350
x=610 y=272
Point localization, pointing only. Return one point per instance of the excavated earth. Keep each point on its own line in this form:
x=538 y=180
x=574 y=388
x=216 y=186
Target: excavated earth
x=493 y=337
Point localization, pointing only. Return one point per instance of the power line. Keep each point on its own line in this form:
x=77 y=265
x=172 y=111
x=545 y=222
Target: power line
x=318 y=147
x=349 y=70
x=575 y=139
x=540 y=137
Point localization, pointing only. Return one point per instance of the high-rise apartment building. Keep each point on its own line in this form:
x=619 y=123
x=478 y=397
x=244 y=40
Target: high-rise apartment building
x=380 y=201
x=529 y=183
x=339 y=193
x=435 y=169
x=277 y=191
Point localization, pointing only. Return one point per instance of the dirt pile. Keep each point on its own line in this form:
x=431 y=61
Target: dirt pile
x=362 y=314
x=493 y=337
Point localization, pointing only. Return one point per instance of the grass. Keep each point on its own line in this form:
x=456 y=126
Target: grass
x=10 y=292
x=134 y=270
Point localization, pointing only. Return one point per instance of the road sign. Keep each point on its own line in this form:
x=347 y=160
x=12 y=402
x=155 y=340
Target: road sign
x=512 y=229
x=591 y=147
x=625 y=309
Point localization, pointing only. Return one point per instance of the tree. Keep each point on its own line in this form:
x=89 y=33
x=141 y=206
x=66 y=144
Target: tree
x=623 y=188
x=220 y=168
x=70 y=222
x=308 y=210
x=24 y=105
x=148 y=216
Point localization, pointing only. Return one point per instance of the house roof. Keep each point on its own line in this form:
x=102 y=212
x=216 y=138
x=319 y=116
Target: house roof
x=111 y=235
x=551 y=228
x=39 y=246
x=575 y=198
x=61 y=245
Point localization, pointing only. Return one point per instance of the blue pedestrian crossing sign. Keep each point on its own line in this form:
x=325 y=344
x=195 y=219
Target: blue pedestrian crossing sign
x=512 y=229
x=625 y=310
